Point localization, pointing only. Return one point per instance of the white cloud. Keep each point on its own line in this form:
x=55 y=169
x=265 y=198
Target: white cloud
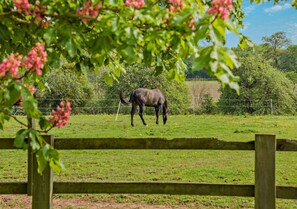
x=292 y=32
x=277 y=8
x=249 y=9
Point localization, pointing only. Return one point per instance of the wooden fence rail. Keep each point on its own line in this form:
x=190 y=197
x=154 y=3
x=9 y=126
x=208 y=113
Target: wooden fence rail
x=265 y=191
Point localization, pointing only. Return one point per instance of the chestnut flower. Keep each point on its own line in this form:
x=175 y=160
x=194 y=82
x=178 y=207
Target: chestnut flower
x=221 y=8
x=11 y=65
x=61 y=115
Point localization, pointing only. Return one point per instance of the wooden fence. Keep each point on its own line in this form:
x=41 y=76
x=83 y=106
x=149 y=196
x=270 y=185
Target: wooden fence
x=264 y=190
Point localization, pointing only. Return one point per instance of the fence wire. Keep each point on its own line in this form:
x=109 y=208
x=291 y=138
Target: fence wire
x=113 y=106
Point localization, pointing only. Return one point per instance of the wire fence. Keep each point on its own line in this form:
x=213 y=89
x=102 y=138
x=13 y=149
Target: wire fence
x=113 y=106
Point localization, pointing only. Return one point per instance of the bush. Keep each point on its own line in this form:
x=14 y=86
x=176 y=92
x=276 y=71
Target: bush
x=64 y=84
x=261 y=87
x=208 y=106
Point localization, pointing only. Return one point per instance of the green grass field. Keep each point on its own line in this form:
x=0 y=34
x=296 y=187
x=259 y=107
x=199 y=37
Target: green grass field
x=233 y=167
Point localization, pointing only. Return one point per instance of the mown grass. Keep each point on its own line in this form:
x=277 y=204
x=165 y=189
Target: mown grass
x=232 y=167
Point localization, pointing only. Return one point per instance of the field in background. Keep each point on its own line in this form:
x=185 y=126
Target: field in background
x=236 y=167
x=200 y=88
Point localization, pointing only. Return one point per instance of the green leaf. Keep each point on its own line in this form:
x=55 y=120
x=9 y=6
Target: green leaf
x=230 y=26
x=46 y=152
x=42 y=163
x=201 y=33
x=178 y=19
x=230 y=58
x=108 y=78
x=203 y=60
x=29 y=103
x=245 y=42
x=33 y=142
x=14 y=94
x=49 y=36
x=131 y=54
x=52 y=156
x=71 y=48
x=219 y=30
x=4 y=32
x=20 y=138
x=44 y=123
x=57 y=166
x=158 y=70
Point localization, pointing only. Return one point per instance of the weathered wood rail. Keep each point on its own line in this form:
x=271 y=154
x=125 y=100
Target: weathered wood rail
x=265 y=191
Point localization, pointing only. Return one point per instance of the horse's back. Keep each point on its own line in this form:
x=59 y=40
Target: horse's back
x=149 y=97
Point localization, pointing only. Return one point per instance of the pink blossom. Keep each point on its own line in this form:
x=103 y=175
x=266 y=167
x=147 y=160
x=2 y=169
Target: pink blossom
x=11 y=65
x=135 y=3
x=36 y=58
x=23 y=6
x=221 y=8
x=61 y=115
x=176 y=5
x=88 y=10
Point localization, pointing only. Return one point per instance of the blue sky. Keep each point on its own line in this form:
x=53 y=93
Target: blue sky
x=265 y=20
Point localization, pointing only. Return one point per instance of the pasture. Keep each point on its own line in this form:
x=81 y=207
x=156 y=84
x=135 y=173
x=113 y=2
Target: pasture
x=200 y=88
x=162 y=165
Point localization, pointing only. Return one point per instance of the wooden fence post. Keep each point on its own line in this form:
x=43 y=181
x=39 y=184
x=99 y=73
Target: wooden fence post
x=42 y=184
x=31 y=124
x=265 y=190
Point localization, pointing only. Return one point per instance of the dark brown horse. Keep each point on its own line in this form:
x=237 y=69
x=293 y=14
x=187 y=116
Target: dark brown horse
x=147 y=97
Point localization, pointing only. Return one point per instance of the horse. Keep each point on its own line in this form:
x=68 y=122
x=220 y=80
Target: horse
x=146 y=97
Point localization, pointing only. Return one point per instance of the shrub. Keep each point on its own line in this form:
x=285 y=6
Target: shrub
x=261 y=87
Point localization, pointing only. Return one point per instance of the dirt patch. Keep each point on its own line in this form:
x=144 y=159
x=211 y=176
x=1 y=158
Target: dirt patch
x=24 y=202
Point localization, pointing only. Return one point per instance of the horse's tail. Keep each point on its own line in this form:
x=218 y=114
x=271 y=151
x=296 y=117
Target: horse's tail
x=132 y=97
x=122 y=98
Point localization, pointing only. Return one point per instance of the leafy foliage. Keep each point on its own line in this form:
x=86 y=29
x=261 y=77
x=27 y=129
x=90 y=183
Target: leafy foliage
x=260 y=85
x=274 y=47
x=288 y=59
x=208 y=106
x=66 y=85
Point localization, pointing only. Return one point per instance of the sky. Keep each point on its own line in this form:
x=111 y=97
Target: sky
x=266 y=19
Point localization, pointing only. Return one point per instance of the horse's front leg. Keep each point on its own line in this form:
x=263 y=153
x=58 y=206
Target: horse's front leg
x=133 y=110
x=141 y=110
x=157 y=114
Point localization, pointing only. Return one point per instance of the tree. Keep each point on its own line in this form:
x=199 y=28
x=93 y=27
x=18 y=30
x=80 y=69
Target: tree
x=274 y=46
x=260 y=87
x=288 y=60
x=64 y=84
x=35 y=35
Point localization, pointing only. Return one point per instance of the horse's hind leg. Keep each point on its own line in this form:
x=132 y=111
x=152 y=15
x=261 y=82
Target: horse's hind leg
x=133 y=110
x=141 y=110
x=157 y=114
